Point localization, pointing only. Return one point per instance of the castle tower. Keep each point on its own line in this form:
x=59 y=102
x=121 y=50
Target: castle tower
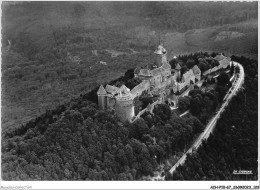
x=161 y=57
x=102 y=97
x=124 y=106
x=178 y=71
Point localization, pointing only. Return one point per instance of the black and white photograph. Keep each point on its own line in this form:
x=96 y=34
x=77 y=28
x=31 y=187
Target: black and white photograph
x=115 y=92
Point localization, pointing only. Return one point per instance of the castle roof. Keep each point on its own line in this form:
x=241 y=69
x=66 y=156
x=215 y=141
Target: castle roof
x=137 y=70
x=224 y=62
x=156 y=71
x=210 y=70
x=178 y=67
x=101 y=91
x=124 y=97
x=196 y=70
x=145 y=72
x=214 y=69
x=112 y=89
x=219 y=57
x=124 y=89
x=206 y=72
x=188 y=75
x=160 y=50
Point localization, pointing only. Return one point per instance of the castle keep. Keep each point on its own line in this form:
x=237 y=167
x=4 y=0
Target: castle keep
x=160 y=82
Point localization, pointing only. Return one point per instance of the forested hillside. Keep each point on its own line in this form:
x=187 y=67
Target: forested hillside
x=77 y=141
x=55 y=51
x=234 y=144
x=182 y=16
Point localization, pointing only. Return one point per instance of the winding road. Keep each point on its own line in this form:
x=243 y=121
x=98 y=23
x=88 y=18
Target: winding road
x=210 y=127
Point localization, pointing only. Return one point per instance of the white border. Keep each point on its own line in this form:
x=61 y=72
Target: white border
x=126 y=184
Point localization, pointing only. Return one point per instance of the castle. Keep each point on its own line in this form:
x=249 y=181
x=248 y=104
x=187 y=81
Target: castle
x=161 y=82
x=224 y=62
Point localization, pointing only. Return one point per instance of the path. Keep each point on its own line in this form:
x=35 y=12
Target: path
x=211 y=125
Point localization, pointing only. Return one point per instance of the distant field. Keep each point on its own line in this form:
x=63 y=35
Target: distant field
x=40 y=68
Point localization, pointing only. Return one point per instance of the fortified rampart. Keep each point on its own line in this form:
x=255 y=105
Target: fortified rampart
x=149 y=109
x=124 y=107
x=140 y=88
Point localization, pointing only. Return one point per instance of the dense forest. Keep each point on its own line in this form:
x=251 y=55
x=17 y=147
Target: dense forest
x=84 y=143
x=77 y=141
x=182 y=16
x=234 y=143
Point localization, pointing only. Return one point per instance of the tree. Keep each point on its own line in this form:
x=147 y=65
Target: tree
x=190 y=63
x=203 y=66
x=121 y=157
x=162 y=111
x=131 y=83
x=196 y=87
x=129 y=74
x=173 y=63
x=223 y=79
x=183 y=103
x=197 y=125
x=221 y=92
x=236 y=69
x=138 y=129
x=184 y=69
x=195 y=106
x=194 y=92
x=232 y=68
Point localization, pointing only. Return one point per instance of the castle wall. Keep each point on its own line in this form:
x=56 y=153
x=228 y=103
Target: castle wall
x=181 y=86
x=102 y=102
x=167 y=73
x=158 y=60
x=174 y=76
x=164 y=59
x=143 y=86
x=156 y=80
x=149 y=108
x=169 y=82
x=142 y=77
x=110 y=102
x=140 y=114
x=174 y=87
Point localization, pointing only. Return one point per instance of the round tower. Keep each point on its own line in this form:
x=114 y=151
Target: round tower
x=161 y=57
x=124 y=107
x=102 y=97
x=178 y=71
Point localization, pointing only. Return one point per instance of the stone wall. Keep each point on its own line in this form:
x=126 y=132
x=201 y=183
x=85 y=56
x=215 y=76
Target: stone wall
x=143 y=86
x=111 y=102
x=149 y=108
